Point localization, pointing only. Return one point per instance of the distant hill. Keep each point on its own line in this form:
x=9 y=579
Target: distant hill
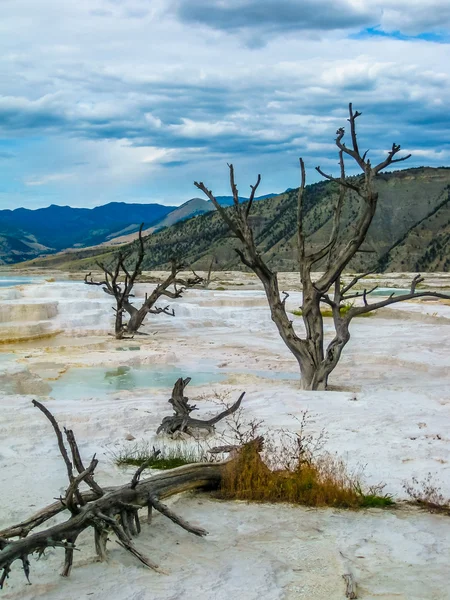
x=18 y=248
x=228 y=200
x=26 y=233
x=191 y=208
x=410 y=231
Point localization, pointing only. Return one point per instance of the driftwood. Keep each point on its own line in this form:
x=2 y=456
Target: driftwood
x=112 y=510
x=181 y=421
x=350 y=586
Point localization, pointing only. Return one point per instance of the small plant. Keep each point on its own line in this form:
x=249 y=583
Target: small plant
x=427 y=494
x=374 y=501
x=164 y=457
x=374 y=497
x=321 y=481
x=292 y=467
x=238 y=431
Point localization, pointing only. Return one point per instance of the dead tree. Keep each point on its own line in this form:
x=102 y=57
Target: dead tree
x=119 y=282
x=181 y=421
x=205 y=281
x=107 y=511
x=316 y=359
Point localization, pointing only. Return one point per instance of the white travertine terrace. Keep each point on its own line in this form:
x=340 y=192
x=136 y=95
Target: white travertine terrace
x=389 y=413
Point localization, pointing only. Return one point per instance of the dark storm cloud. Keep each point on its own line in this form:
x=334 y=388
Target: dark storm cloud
x=274 y=15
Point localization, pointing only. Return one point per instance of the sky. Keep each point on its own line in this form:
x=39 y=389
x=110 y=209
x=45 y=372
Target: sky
x=133 y=100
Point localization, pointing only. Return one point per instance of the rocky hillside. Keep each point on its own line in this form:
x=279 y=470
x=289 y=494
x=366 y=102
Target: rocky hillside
x=411 y=230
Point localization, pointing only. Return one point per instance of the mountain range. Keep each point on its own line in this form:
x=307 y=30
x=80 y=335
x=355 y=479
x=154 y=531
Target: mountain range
x=26 y=234
x=410 y=231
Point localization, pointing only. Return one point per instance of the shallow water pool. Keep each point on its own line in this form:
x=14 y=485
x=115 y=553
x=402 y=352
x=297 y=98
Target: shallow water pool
x=6 y=359
x=83 y=382
x=389 y=291
x=10 y=281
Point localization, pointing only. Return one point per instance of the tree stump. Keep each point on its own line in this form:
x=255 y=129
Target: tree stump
x=181 y=421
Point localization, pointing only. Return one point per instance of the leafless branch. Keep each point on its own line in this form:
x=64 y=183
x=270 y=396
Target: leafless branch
x=252 y=196
x=355 y=280
x=358 y=310
x=300 y=215
x=341 y=182
x=328 y=248
x=390 y=159
x=115 y=511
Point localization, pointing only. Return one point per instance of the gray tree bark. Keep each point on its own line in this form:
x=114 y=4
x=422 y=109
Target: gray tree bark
x=317 y=360
x=122 y=291
x=106 y=511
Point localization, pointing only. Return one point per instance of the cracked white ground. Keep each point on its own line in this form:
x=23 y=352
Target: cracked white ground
x=390 y=417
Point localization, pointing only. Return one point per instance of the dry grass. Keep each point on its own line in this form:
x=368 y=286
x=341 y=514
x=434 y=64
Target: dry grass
x=427 y=494
x=249 y=478
x=323 y=482
x=293 y=468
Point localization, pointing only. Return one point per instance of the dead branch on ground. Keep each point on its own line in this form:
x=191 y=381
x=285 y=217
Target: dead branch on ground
x=113 y=510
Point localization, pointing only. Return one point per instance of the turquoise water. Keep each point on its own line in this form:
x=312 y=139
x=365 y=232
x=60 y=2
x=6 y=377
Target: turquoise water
x=389 y=291
x=6 y=358
x=6 y=281
x=99 y=381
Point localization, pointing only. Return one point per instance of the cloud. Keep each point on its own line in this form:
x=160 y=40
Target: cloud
x=46 y=179
x=414 y=16
x=123 y=93
x=274 y=16
x=17 y=112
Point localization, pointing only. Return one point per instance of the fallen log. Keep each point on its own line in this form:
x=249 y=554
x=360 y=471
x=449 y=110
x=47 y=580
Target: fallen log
x=181 y=421
x=105 y=510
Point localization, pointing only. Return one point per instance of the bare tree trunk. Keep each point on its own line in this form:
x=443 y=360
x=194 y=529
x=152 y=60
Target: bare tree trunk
x=317 y=363
x=118 y=322
x=330 y=362
x=122 y=291
x=137 y=318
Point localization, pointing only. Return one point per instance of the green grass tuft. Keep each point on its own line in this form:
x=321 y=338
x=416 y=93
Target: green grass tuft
x=169 y=457
x=374 y=501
